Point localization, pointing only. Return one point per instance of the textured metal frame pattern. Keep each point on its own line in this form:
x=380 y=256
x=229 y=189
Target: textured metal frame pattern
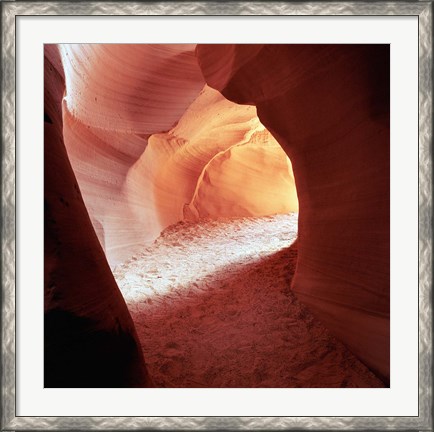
x=10 y=10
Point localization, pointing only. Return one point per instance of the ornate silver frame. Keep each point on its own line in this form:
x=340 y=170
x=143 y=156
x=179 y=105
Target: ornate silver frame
x=421 y=9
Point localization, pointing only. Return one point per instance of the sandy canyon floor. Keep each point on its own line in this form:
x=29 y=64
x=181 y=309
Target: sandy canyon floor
x=212 y=307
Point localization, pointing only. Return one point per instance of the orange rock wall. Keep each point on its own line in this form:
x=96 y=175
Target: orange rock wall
x=218 y=161
x=145 y=135
x=248 y=179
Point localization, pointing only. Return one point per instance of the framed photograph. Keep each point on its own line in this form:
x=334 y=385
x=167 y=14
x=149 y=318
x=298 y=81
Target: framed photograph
x=217 y=215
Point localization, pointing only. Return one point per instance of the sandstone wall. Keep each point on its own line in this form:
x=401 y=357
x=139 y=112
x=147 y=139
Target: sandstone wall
x=328 y=107
x=89 y=338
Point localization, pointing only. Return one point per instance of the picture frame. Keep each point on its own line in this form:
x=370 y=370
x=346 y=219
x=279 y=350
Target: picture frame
x=11 y=11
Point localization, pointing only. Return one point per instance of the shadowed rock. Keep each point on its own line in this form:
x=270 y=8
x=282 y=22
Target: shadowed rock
x=90 y=340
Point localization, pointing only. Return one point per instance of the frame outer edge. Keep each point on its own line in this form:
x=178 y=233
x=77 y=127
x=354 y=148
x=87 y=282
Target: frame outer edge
x=425 y=215
x=8 y=214
x=220 y=8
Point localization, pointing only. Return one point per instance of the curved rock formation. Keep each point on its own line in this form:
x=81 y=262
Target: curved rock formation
x=140 y=127
x=328 y=107
x=135 y=89
x=249 y=179
x=216 y=139
x=116 y=97
x=90 y=340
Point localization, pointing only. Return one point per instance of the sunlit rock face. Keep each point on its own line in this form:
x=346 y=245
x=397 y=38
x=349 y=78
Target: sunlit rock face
x=328 y=107
x=218 y=161
x=116 y=97
x=249 y=179
x=151 y=145
x=89 y=338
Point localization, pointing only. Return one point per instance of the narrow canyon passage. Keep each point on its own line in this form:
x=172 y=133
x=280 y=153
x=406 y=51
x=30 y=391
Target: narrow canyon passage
x=138 y=137
x=212 y=307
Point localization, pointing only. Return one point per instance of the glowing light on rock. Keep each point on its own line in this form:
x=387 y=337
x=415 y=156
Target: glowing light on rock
x=141 y=138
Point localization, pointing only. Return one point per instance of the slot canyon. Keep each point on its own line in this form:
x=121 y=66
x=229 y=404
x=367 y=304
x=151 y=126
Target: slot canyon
x=216 y=216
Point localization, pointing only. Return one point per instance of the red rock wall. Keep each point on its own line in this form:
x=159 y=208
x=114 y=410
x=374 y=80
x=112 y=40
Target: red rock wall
x=328 y=107
x=90 y=340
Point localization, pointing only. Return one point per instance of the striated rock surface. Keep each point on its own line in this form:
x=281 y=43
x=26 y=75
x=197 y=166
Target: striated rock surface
x=116 y=97
x=89 y=337
x=130 y=88
x=219 y=160
x=143 y=133
x=328 y=107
